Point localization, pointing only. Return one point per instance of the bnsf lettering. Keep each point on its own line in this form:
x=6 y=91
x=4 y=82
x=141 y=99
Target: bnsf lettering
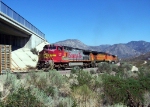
x=77 y=56
x=48 y=55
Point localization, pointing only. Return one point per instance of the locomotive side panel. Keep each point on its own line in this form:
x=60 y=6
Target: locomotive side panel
x=109 y=58
x=100 y=57
x=92 y=57
x=75 y=55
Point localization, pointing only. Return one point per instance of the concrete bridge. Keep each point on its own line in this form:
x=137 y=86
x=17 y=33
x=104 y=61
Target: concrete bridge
x=17 y=31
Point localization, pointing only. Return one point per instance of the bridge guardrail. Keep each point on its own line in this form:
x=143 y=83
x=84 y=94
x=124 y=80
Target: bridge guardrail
x=12 y=14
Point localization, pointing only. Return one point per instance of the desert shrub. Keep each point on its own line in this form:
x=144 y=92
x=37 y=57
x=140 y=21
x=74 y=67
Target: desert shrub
x=114 y=67
x=83 y=77
x=56 y=78
x=147 y=99
x=92 y=71
x=73 y=82
x=104 y=67
x=65 y=90
x=75 y=69
x=53 y=101
x=125 y=67
x=10 y=79
x=117 y=90
x=83 y=95
x=124 y=71
x=18 y=75
x=22 y=97
x=144 y=71
x=50 y=91
x=48 y=85
x=2 y=104
x=44 y=79
x=98 y=82
x=42 y=97
x=128 y=74
x=145 y=82
x=10 y=82
x=117 y=105
x=74 y=104
x=65 y=102
x=34 y=51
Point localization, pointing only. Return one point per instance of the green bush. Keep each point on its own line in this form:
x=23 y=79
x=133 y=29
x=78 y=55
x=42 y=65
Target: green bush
x=75 y=69
x=83 y=95
x=144 y=71
x=22 y=98
x=124 y=71
x=114 y=67
x=125 y=67
x=56 y=78
x=98 y=82
x=44 y=79
x=104 y=67
x=84 y=77
x=92 y=71
x=50 y=91
x=144 y=81
x=116 y=89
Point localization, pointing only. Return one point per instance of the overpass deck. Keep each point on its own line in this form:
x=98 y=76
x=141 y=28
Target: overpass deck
x=14 y=16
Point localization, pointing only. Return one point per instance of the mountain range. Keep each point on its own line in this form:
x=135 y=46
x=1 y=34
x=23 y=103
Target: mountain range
x=122 y=50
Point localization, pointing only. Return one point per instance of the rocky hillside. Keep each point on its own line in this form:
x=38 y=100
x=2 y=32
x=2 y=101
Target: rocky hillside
x=73 y=43
x=140 y=46
x=142 y=57
x=130 y=49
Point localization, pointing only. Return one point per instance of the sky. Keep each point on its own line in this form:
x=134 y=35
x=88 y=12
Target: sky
x=93 y=22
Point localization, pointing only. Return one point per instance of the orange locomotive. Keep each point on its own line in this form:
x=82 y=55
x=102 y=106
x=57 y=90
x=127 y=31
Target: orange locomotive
x=61 y=57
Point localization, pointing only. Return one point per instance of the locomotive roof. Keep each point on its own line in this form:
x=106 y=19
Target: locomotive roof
x=71 y=47
x=95 y=52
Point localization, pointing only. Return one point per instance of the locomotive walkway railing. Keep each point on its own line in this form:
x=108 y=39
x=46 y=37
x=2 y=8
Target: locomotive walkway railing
x=12 y=14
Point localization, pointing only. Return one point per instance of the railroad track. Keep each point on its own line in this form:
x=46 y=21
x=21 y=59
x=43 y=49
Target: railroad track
x=63 y=72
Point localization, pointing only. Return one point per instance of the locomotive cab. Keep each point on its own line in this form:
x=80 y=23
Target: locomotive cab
x=46 y=56
x=54 y=52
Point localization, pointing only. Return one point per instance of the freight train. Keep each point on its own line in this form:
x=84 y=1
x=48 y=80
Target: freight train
x=55 y=56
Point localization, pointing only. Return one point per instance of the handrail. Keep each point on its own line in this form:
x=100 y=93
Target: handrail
x=14 y=15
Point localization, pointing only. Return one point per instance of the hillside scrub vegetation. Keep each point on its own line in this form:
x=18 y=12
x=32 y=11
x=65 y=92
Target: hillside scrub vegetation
x=110 y=85
x=34 y=51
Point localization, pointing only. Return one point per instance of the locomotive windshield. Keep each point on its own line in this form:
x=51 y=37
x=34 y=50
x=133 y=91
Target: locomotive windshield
x=45 y=47
x=52 y=47
x=49 y=47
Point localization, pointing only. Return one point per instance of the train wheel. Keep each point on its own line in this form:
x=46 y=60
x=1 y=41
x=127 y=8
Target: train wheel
x=63 y=68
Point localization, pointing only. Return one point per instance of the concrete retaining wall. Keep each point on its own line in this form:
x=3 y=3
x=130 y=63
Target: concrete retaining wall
x=33 y=41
